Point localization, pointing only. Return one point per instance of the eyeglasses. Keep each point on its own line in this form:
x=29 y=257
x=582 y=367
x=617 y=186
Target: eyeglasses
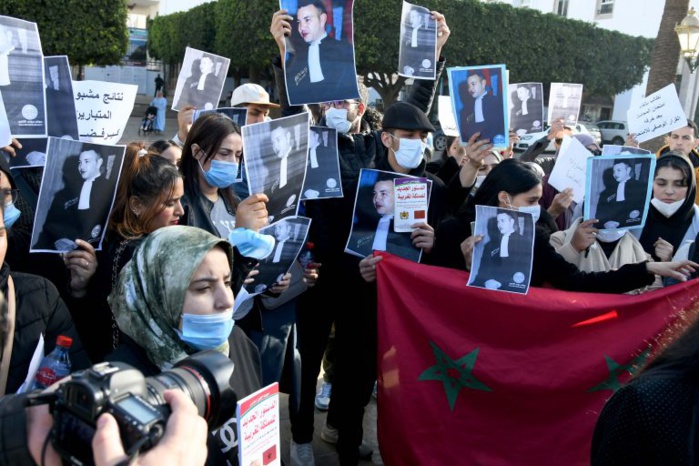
x=340 y=103
x=9 y=194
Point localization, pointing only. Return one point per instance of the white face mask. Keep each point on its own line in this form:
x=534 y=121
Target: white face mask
x=479 y=181
x=410 y=152
x=337 y=118
x=535 y=210
x=668 y=210
x=609 y=236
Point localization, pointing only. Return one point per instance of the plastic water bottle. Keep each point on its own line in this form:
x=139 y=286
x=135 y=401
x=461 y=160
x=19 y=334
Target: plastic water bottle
x=55 y=365
x=306 y=256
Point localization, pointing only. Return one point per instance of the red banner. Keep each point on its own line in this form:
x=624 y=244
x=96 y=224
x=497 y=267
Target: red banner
x=479 y=377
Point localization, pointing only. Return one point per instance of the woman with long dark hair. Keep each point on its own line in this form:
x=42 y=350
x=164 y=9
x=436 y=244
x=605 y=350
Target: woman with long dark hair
x=512 y=184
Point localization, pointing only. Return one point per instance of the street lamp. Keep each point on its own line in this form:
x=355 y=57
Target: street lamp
x=688 y=34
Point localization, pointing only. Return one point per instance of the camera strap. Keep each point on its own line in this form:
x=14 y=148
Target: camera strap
x=9 y=340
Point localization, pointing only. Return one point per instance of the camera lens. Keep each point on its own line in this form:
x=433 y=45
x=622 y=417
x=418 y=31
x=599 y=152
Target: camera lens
x=205 y=377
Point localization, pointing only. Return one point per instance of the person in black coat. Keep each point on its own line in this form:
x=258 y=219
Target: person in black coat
x=513 y=184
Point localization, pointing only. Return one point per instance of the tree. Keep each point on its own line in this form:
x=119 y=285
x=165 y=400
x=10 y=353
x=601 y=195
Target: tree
x=666 y=53
x=89 y=33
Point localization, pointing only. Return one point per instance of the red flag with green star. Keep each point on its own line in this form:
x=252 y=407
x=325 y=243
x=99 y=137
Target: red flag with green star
x=480 y=377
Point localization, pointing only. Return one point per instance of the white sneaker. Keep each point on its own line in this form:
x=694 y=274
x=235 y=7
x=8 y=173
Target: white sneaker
x=302 y=454
x=323 y=396
x=330 y=434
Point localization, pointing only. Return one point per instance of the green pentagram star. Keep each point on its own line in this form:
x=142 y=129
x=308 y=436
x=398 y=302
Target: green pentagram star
x=616 y=370
x=454 y=375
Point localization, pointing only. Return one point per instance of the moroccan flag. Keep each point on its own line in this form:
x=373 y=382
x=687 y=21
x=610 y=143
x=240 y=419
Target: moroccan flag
x=471 y=376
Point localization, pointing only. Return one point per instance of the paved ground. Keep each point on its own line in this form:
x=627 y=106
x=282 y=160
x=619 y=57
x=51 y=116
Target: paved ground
x=325 y=454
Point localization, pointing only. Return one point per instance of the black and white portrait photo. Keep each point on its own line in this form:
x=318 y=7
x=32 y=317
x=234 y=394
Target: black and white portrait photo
x=238 y=114
x=76 y=195
x=319 y=63
x=323 y=170
x=60 y=101
x=417 y=54
x=619 y=190
x=564 y=102
x=201 y=79
x=502 y=260
x=478 y=97
x=290 y=235
x=22 y=77
x=372 y=220
x=526 y=108
x=276 y=152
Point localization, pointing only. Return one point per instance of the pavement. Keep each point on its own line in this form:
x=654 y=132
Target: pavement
x=325 y=454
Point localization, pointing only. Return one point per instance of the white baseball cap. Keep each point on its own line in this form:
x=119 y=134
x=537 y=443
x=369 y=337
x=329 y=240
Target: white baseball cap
x=251 y=94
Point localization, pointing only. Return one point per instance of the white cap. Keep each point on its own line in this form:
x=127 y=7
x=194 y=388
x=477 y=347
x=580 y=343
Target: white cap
x=251 y=94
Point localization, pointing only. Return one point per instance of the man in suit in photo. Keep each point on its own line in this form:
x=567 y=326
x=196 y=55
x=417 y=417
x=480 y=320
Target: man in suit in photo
x=504 y=264
x=621 y=203
x=527 y=114
x=320 y=69
x=79 y=211
x=285 y=190
x=482 y=111
x=418 y=52
x=381 y=235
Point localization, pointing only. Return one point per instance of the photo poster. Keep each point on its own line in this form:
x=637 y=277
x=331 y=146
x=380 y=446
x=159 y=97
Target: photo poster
x=417 y=53
x=334 y=75
x=201 y=80
x=5 y=134
x=613 y=150
x=564 y=103
x=526 y=106
x=103 y=110
x=60 y=102
x=259 y=426
x=323 y=179
x=656 y=114
x=32 y=154
x=604 y=174
x=65 y=211
x=445 y=113
x=496 y=266
x=410 y=203
x=570 y=169
x=276 y=154
x=22 y=78
x=239 y=115
x=290 y=235
x=373 y=218
x=469 y=85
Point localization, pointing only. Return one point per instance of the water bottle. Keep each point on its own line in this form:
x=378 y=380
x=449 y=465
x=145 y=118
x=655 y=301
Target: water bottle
x=306 y=256
x=55 y=365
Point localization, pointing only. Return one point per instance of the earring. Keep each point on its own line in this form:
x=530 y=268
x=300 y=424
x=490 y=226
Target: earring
x=135 y=213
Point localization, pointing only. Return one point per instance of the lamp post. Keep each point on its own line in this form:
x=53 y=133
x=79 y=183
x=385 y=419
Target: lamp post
x=688 y=34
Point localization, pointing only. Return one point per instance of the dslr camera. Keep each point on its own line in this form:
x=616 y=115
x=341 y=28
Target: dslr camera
x=136 y=402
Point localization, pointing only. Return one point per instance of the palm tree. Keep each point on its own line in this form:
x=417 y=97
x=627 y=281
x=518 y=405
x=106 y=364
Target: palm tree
x=663 y=66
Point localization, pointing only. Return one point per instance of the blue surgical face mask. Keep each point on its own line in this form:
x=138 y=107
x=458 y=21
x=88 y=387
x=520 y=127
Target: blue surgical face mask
x=535 y=210
x=221 y=174
x=410 y=152
x=337 y=118
x=206 y=331
x=11 y=214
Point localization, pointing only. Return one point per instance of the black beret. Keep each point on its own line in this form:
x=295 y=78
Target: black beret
x=402 y=115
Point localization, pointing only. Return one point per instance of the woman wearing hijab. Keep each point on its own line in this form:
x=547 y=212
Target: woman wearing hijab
x=173 y=299
x=512 y=184
x=673 y=217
